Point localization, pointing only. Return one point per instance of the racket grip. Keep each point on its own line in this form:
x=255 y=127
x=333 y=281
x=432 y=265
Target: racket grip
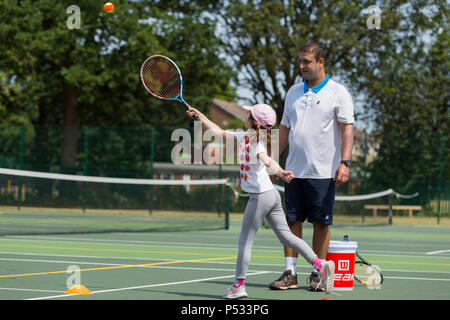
x=188 y=107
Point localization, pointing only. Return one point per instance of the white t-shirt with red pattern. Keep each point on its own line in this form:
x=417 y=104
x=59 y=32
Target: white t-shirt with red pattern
x=254 y=176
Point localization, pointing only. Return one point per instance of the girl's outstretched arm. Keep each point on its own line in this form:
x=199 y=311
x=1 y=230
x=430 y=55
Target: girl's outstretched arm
x=209 y=124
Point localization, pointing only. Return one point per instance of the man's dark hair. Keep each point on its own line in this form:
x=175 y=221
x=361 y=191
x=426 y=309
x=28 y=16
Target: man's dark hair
x=315 y=47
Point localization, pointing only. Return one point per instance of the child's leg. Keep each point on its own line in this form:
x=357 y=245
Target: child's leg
x=254 y=214
x=277 y=221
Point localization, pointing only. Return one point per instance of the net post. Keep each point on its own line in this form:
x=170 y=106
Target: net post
x=219 y=198
x=19 y=181
x=441 y=148
x=85 y=163
x=152 y=159
x=228 y=200
x=390 y=208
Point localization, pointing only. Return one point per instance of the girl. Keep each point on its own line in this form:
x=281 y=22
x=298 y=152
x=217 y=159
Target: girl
x=264 y=200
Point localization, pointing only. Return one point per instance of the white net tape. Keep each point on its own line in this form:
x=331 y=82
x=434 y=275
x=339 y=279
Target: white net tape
x=79 y=178
x=351 y=198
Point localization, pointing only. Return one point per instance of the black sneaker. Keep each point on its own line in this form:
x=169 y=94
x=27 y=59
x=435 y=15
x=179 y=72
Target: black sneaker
x=286 y=281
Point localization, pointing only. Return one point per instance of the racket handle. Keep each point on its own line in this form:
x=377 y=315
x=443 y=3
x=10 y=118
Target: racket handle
x=188 y=107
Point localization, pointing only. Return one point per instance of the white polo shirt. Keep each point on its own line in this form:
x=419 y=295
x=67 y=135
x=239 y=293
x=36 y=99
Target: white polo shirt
x=312 y=114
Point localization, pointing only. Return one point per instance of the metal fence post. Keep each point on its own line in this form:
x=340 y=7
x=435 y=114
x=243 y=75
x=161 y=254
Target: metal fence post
x=364 y=177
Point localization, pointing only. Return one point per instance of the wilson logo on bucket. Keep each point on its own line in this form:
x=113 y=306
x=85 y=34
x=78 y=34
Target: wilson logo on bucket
x=343 y=265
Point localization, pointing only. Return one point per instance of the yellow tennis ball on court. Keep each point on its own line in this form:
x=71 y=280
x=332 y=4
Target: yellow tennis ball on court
x=109 y=7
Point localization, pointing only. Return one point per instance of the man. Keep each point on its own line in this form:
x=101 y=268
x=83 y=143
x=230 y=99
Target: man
x=318 y=123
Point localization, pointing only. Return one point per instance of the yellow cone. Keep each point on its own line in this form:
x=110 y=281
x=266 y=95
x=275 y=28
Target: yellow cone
x=78 y=289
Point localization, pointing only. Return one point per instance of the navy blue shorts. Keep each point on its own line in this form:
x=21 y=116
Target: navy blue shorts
x=311 y=199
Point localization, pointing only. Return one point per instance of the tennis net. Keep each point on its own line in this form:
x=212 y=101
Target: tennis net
x=50 y=203
x=374 y=208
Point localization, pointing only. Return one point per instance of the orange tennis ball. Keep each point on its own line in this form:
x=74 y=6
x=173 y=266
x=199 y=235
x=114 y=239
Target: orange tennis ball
x=109 y=7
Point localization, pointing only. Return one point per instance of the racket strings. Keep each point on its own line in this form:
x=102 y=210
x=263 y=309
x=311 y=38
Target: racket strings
x=161 y=78
x=366 y=274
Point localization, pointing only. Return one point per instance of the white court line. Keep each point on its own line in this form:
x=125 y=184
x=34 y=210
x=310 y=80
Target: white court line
x=30 y=290
x=156 y=259
x=168 y=242
x=398 y=254
x=80 y=256
x=148 y=286
x=438 y=251
x=126 y=258
x=141 y=243
x=218 y=246
x=114 y=242
x=184 y=244
x=115 y=264
x=411 y=278
x=190 y=281
x=207 y=279
x=414 y=271
x=62 y=262
x=336 y=294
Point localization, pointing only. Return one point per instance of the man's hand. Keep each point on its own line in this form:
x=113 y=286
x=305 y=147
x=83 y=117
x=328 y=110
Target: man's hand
x=341 y=175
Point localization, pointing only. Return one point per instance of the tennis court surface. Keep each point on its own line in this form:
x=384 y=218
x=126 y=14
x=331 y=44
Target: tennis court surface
x=199 y=265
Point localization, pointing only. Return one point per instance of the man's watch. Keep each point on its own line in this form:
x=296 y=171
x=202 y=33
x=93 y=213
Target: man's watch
x=346 y=162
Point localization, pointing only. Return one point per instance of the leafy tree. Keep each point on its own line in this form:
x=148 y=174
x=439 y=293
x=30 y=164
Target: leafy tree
x=90 y=76
x=398 y=74
x=263 y=39
x=410 y=101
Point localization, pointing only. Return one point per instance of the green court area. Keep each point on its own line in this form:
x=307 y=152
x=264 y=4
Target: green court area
x=199 y=265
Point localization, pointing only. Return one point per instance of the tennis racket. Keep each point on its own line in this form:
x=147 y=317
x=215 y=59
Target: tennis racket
x=162 y=78
x=365 y=272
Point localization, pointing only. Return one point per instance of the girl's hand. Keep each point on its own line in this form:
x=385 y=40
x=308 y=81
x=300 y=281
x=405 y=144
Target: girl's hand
x=287 y=175
x=273 y=178
x=191 y=112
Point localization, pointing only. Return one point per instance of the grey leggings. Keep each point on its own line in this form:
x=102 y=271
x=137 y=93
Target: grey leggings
x=266 y=205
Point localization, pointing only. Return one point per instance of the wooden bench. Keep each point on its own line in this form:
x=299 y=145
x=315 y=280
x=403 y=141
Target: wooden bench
x=376 y=207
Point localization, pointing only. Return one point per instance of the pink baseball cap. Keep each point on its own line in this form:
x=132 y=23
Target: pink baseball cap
x=263 y=114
